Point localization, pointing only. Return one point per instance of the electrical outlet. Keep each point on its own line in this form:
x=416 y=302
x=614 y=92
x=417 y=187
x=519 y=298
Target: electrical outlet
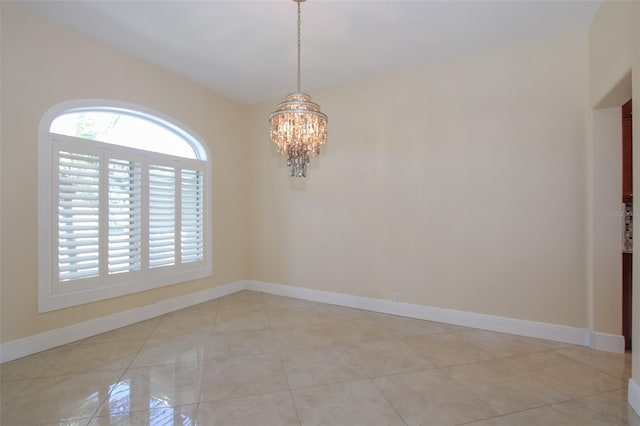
x=396 y=297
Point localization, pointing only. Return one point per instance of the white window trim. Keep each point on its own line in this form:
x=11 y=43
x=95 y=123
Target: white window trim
x=48 y=298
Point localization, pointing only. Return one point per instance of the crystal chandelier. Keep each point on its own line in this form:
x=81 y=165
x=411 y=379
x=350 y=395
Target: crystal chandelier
x=297 y=126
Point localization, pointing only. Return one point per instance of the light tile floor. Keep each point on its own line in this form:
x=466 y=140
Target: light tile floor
x=258 y=359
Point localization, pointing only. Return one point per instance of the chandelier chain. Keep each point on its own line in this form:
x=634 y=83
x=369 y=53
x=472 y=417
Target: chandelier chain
x=298 y=47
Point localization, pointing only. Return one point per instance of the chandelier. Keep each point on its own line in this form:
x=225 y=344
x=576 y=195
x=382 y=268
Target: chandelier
x=297 y=126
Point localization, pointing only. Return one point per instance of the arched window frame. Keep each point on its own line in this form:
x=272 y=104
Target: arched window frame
x=52 y=294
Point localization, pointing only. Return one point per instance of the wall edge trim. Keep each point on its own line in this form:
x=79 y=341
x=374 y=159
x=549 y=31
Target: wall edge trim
x=559 y=333
x=50 y=339
x=633 y=397
x=608 y=342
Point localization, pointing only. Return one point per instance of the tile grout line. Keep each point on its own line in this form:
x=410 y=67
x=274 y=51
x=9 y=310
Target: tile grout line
x=481 y=398
x=213 y=327
x=95 y=413
x=585 y=363
x=388 y=402
x=293 y=401
x=550 y=405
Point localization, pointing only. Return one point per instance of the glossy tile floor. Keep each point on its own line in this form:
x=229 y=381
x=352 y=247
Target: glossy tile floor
x=257 y=359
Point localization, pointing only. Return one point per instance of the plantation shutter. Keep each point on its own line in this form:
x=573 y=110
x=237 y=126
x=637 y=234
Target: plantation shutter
x=123 y=204
x=78 y=215
x=162 y=211
x=125 y=213
x=192 y=223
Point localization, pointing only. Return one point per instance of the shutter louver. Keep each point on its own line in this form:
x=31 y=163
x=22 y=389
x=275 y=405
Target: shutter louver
x=162 y=193
x=124 y=216
x=78 y=222
x=191 y=232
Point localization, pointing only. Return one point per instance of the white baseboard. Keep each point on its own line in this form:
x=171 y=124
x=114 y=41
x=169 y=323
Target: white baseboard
x=559 y=333
x=577 y=336
x=633 y=396
x=50 y=339
x=607 y=342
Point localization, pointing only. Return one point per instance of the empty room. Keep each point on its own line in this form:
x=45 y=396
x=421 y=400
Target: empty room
x=320 y=212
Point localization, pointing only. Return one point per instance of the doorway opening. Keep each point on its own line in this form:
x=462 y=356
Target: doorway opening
x=627 y=200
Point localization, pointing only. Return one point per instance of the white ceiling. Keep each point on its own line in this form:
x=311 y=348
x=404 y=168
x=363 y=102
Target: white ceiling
x=246 y=50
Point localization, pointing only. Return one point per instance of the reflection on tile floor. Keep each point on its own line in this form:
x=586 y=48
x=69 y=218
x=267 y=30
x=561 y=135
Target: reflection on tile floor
x=258 y=359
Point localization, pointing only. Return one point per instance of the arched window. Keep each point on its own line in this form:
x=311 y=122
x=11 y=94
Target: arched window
x=123 y=203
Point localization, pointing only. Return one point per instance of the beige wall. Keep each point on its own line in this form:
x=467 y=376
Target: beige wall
x=42 y=65
x=459 y=185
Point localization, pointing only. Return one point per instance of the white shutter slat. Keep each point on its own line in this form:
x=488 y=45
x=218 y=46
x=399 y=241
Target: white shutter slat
x=161 y=256
x=78 y=241
x=76 y=236
x=75 y=205
x=71 y=160
x=75 y=194
x=82 y=261
x=75 y=210
x=79 y=274
x=75 y=219
x=77 y=181
x=69 y=253
x=80 y=163
x=74 y=229
x=125 y=208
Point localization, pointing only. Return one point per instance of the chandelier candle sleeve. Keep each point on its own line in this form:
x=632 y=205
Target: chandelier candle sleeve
x=297 y=126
